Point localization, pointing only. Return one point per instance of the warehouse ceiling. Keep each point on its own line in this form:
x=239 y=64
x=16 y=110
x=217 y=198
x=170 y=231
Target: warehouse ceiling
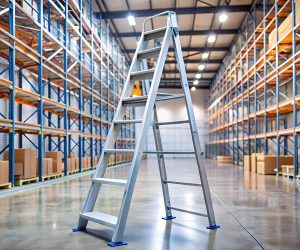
x=196 y=20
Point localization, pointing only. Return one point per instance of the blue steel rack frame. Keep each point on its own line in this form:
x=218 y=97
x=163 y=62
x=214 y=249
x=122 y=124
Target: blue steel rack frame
x=59 y=62
x=254 y=99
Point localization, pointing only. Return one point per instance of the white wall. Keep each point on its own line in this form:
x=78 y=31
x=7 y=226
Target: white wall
x=178 y=137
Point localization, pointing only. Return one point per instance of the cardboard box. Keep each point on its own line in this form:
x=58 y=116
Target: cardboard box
x=4 y=173
x=57 y=160
x=49 y=166
x=254 y=161
x=266 y=164
x=69 y=162
x=95 y=161
x=247 y=163
x=284 y=28
x=89 y=162
x=26 y=157
x=23 y=155
x=72 y=156
x=19 y=169
x=286 y=160
x=55 y=155
x=57 y=166
x=45 y=166
x=73 y=163
x=33 y=163
x=224 y=159
x=76 y=163
x=84 y=161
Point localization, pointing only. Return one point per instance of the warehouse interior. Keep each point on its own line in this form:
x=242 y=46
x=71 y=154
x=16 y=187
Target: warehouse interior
x=146 y=124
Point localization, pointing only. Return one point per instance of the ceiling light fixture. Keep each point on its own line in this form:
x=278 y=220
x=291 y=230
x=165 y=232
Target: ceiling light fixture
x=196 y=82
x=131 y=20
x=198 y=76
x=201 y=67
x=211 y=38
x=223 y=17
x=193 y=88
x=205 y=55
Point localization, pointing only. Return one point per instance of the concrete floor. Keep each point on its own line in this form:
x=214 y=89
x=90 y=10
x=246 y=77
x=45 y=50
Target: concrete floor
x=251 y=209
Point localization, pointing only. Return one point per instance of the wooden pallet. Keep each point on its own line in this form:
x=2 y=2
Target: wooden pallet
x=73 y=172
x=85 y=169
x=54 y=176
x=5 y=186
x=288 y=175
x=26 y=181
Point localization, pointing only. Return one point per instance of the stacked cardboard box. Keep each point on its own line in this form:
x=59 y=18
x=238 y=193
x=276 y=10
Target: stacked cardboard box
x=71 y=164
x=285 y=28
x=247 y=163
x=47 y=166
x=25 y=163
x=254 y=161
x=74 y=162
x=57 y=161
x=111 y=159
x=84 y=162
x=4 y=172
x=224 y=159
x=95 y=161
x=266 y=164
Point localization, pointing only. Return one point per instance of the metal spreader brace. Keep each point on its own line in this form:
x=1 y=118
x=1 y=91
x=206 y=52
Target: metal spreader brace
x=151 y=78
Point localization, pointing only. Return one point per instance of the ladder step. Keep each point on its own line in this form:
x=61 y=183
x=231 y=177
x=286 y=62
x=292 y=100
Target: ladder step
x=169 y=152
x=187 y=211
x=142 y=75
x=149 y=53
x=153 y=34
x=115 y=182
x=101 y=218
x=182 y=183
x=118 y=150
x=173 y=122
x=127 y=121
x=141 y=100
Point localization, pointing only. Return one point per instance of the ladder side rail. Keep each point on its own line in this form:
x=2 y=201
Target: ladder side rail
x=162 y=166
x=193 y=127
x=136 y=161
x=109 y=143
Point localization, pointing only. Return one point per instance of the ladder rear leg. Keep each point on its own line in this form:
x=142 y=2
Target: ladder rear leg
x=194 y=132
x=162 y=167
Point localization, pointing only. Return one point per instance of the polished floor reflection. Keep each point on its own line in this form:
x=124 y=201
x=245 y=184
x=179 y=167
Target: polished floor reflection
x=251 y=209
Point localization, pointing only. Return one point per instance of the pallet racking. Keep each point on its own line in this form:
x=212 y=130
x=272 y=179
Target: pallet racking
x=255 y=100
x=61 y=76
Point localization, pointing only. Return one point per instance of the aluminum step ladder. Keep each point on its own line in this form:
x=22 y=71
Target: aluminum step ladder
x=138 y=72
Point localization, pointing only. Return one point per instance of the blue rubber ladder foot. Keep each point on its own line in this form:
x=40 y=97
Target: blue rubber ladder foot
x=77 y=229
x=213 y=227
x=117 y=244
x=169 y=217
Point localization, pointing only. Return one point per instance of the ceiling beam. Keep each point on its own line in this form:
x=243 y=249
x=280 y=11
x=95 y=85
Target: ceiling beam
x=198 y=61
x=175 y=80
x=162 y=86
x=179 y=11
x=186 y=33
x=190 y=71
x=191 y=49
